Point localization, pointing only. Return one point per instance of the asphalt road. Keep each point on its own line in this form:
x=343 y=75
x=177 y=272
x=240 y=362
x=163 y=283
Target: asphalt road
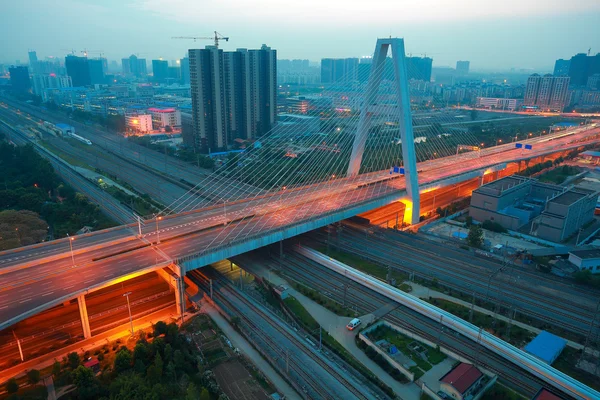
x=31 y=270
x=61 y=324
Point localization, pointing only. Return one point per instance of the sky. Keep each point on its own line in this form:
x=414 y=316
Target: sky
x=492 y=34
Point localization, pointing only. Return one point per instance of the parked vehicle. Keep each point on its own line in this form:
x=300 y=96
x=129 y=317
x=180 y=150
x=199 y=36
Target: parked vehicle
x=353 y=324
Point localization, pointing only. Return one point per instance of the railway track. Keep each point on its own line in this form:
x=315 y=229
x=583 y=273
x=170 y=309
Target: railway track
x=366 y=301
x=503 y=290
x=226 y=292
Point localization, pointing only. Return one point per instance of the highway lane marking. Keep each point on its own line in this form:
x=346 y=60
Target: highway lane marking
x=47 y=294
x=25 y=301
x=68 y=287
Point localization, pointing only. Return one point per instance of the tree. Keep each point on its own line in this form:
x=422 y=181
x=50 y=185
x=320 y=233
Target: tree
x=192 y=392
x=139 y=366
x=474 y=114
x=122 y=360
x=33 y=376
x=140 y=352
x=475 y=236
x=204 y=395
x=12 y=386
x=56 y=369
x=87 y=386
x=74 y=360
x=160 y=328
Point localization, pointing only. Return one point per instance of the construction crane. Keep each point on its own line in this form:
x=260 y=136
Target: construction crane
x=218 y=37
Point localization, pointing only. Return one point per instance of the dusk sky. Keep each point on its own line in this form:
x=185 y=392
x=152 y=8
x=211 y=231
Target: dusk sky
x=491 y=34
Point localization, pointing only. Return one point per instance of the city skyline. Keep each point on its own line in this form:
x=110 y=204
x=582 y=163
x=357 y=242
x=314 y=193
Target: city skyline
x=494 y=37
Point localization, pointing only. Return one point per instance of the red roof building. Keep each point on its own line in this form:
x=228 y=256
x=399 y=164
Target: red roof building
x=461 y=381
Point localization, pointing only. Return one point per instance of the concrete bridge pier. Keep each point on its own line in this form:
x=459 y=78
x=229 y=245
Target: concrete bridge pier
x=174 y=275
x=85 y=322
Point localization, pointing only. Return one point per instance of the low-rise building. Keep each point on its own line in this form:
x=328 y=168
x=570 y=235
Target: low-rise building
x=162 y=117
x=554 y=212
x=462 y=382
x=499 y=103
x=586 y=260
x=141 y=123
x=546 y=347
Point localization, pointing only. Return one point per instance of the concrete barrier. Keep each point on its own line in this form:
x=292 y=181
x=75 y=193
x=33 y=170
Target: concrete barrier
x=393 y=362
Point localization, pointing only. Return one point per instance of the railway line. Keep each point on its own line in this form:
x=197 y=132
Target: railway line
x=365 y=301
x=574 y=317
x=237 y=303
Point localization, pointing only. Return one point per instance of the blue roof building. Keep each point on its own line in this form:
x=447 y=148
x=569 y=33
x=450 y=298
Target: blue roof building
x=546 y=346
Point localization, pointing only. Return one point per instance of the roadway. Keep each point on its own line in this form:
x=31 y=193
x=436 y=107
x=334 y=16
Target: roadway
x=156 y=164
x=537 y=295
x=106 y=255
x=108 y=204
x=61 y=325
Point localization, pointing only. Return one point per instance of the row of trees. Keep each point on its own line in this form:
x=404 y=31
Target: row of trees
x=33 y=200
x=162 y=366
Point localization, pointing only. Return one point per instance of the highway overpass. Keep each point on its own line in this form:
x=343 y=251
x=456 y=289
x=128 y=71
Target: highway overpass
x=36 y=277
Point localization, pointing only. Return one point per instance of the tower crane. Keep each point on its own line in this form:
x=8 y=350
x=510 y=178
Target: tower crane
x=217 y=37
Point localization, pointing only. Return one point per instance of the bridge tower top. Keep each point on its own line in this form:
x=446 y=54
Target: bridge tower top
x=396 y=45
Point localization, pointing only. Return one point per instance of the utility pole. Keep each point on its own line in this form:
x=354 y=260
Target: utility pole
x=472 y=307
x=129 y=308
x=19 y=345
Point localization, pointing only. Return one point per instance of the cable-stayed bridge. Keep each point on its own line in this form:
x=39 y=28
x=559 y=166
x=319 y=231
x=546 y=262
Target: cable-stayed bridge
x=261 y=197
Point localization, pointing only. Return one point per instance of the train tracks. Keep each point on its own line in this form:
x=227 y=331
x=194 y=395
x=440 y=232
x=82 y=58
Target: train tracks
x=306 y=378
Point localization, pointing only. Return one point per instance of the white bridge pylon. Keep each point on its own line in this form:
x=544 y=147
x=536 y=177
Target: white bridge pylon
x=404 y=115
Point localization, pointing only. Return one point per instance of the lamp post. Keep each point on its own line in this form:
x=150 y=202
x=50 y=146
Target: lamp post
x=71 y=247
x=129 y=309
x=157 y=218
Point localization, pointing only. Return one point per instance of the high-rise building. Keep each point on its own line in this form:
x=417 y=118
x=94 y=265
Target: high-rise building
x=97 y=68
x=418 y=68
x=582 y=66
x=78 y=70
x=42 y=82
x=547 y=92
x=134 y=66
x=561 y=67
x=173 y=74
x=234 y=95
x=33 y=60
x=462 y=67
x=19 y=78
x=337 y=70
x=185 y=70
x=160 y=70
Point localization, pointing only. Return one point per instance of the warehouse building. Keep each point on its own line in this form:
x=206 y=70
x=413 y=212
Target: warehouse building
x=551 y=212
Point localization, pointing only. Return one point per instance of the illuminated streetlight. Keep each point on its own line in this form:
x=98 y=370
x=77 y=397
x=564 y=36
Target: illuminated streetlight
x=157 y=218
x=71 y=247
x=129 y=308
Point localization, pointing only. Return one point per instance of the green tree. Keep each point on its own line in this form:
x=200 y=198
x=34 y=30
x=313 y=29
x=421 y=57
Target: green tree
x=139 y=366
x=474 y=114
x=33 y=376
x=192 y=392
x=204 y=395
x=12 y=386
x=122 y=360
x=160 y=328
x=74 y=360
x=56 y=369
x=87 y=386
x=475 y=236
x=168 y=352
x=141 y=352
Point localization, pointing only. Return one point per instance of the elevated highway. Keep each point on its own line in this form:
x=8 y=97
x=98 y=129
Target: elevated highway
x=34 y=278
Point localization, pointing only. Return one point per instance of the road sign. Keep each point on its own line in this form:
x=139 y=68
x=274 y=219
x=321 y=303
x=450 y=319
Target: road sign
x=528 y=147
x=519 y=145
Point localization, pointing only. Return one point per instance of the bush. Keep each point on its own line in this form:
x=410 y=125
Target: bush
x=12 y=386
x=493 y=226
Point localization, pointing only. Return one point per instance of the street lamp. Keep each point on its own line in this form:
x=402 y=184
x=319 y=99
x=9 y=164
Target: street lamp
x=129 y=308
x=157 y=218
x=71 y=247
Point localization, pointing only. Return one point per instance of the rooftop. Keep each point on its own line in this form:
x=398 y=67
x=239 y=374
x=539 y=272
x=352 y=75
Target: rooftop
x=500 y=185
x=586 y=254
x=591 y=153
x=462 y=377
x=546 y=346
x=571 y=196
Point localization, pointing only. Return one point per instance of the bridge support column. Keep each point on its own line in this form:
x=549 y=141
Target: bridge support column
x=180 y=296
x=404 y=118
x=85 y=322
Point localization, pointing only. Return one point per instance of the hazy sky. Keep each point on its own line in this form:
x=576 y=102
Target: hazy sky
x=492 y=34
